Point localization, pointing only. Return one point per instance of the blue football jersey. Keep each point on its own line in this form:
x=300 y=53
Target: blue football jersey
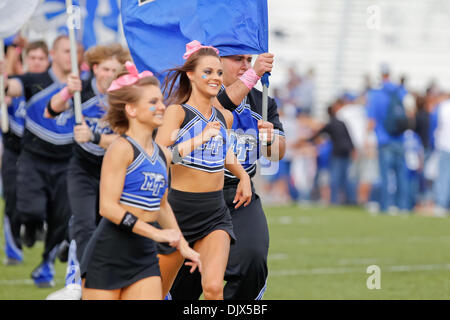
x=244 y=136
x=17 y=113
x=93 y=111
x=56 y=131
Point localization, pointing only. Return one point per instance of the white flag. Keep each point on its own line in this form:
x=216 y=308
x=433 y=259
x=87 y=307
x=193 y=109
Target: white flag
x=14 y=14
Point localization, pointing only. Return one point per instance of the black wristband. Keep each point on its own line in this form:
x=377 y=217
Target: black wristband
x=128 y=222
x=225 y=101
x=52 y=112
x=269 y=143
x=96 y=137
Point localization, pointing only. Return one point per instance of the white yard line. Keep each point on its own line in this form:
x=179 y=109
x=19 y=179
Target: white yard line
x=277 y=256
x=362 y=269
x=290 y=220
x=300 y=272
x=370 y=240
x=360 y=261
x=16 y=282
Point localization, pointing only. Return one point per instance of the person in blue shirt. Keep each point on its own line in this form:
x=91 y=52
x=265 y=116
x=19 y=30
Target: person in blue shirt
x=36 y=60
x=120 y=260
x=92 y=138
x=47 y=149
x=390 y=147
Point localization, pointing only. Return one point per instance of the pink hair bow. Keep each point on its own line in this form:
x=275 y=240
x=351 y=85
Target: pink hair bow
x=194 y=46
x=129 y=79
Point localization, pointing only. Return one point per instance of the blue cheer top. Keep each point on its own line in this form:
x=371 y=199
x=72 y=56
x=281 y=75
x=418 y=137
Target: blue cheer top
x=146 y=178
x=210 y=156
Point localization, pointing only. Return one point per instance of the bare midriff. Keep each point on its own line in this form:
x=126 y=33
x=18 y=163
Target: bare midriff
x=192 y=180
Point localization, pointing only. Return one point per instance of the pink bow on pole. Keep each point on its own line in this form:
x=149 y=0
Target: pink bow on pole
x=194 y=46
x=129 y=79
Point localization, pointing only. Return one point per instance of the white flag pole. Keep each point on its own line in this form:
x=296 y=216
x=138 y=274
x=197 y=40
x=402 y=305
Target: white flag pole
x=4 y=108
x=265 y=102
x=71 y=24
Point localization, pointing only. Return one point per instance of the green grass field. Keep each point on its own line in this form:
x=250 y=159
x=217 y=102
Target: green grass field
x=321 y=253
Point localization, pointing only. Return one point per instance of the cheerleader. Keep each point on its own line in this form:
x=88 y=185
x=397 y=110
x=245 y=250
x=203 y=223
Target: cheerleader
x=197 y=135
x=120 y=260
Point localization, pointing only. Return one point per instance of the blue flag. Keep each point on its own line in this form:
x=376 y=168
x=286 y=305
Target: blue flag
x=93 y=18
x=157 y=31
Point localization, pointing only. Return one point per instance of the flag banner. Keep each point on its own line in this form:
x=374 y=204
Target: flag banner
x=14 y=14
x=100 y=14
x=96 y=21
x=51 y=15
x=157 y=31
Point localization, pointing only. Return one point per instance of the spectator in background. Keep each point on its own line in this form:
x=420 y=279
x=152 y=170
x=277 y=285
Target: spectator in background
x=369 y=174
x=299 y=90
x=422 y=129
x=279 y=187
x=403 y=80
x=304 y=159
x=341 y=154
x=414 y=156
x=354 y=116
x=289 y=118
x=307 y=92
x=367 y=84
x=289 y=93
x=432 y=99
x=390 y=146
x=322 y=178
x=442 y=143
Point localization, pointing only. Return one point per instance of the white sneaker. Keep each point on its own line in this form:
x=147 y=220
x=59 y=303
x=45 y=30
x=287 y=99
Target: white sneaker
x=373 y=207
x=70 y=292
x=439 y=212
x=393 y=211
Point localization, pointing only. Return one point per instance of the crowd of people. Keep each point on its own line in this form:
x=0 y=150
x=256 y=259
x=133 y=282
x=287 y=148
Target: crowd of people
x=385 y=148
x=141 y=201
